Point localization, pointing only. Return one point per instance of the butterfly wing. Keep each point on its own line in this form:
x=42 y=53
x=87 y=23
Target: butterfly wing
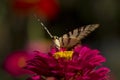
x=74 y=37
x=85 y=30
x=66 y=41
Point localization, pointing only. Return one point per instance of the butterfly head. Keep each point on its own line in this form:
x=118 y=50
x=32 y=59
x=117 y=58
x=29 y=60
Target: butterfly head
x=56 y=41
x=55 y=37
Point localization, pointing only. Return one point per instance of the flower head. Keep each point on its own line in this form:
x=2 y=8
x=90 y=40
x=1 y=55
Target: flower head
x=79 y=64
x=15 y=62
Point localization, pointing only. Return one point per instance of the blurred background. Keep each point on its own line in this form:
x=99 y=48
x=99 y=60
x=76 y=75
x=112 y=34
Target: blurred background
x=21 y=32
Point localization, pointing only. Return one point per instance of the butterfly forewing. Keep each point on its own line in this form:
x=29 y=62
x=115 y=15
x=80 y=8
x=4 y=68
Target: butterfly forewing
x=85 y=30
x=74 y=37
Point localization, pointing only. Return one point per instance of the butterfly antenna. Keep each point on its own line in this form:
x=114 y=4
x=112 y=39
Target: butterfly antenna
x=46 y=30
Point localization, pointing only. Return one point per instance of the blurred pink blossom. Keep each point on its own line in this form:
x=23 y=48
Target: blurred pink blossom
x=15 y=62
x=36 y=45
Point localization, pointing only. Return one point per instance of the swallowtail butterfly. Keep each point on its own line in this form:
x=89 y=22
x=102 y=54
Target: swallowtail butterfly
x=73 y=37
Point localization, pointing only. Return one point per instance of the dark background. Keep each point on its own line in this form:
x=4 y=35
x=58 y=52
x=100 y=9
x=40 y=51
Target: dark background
x=16 y=31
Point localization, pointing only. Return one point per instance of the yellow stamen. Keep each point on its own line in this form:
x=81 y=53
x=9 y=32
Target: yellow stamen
x=63 y=54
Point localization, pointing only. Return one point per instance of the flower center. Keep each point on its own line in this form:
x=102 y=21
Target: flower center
x=22 y=62
x=63 y=54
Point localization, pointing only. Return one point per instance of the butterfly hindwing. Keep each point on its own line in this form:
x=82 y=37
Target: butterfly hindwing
x=67 y=41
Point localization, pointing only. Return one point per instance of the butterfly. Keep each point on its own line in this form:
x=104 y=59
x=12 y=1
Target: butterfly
x=72 y=38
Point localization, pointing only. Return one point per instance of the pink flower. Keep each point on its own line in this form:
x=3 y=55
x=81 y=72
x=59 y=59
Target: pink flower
x=43 y=46
x=15 y=62
x=82 y=63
